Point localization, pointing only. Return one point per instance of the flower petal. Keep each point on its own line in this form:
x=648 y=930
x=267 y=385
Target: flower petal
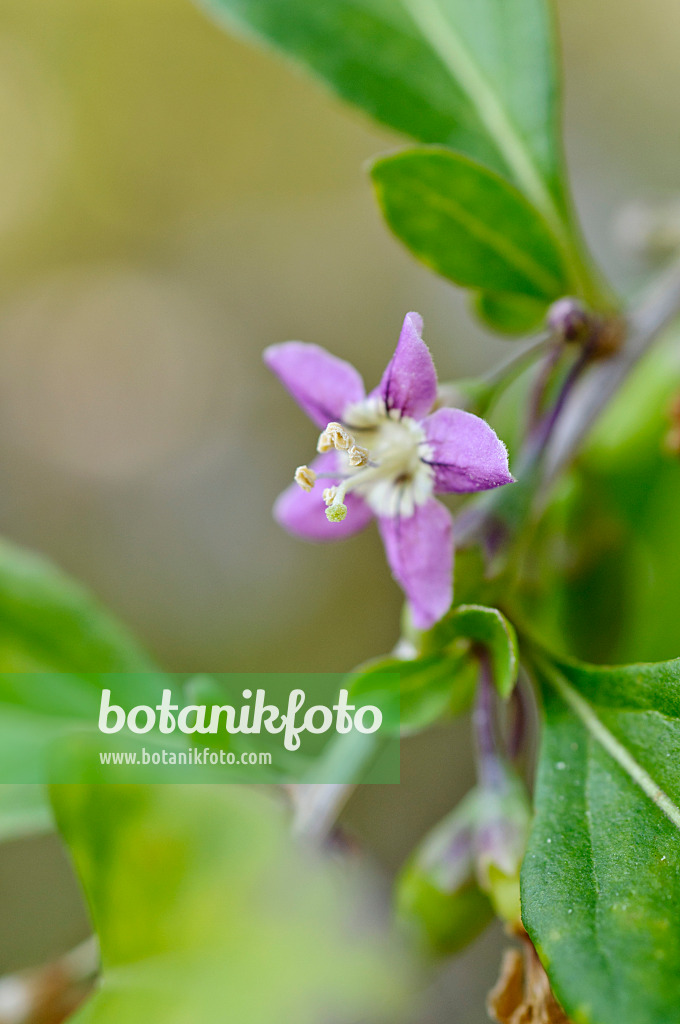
x=303 y=513
x=466 y=453
x=320 y=383
x=420 y=552
x=409 y=383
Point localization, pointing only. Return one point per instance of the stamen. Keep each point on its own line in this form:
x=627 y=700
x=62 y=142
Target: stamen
x=325 y=443
x=393 y=475
x=357 y=455
x=341 y=438
x=335 y=436
x=305 y=478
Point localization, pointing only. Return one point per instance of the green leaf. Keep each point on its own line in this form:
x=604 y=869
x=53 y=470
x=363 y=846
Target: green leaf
x=509 y=314
x=49 y=622
x=486 y=626
x=49 y=720
x=441 y=682
x=479 y=77
x=431 y=688
x=468 y=224
x=206 y=911
x=601 y=879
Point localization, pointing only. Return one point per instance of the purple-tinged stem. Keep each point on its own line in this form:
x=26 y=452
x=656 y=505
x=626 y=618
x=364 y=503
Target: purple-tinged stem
x=489 y=758
x=659 y=307
x=520 y=721
x=541 y=383
x=540 y=435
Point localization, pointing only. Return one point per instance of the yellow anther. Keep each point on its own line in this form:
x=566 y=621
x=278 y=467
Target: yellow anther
x=357 y=455
x=325 y=443
x=329 y=495
x=340 y=438
x=305 y=477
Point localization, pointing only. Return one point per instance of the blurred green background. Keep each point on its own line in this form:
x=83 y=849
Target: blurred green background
x=171 y=202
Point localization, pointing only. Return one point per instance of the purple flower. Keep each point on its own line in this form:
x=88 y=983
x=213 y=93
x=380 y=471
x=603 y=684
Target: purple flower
x=382 y=455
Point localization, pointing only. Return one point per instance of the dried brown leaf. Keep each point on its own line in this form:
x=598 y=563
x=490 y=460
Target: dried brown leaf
x=522 y=994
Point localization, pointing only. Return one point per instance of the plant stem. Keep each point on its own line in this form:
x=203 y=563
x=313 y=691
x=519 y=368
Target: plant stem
x=540 y=436
x=514 y=364
x=520 y=723
x=316 y=808
x=540 y=385
x=658 y=309
x=583 y=398
x=489 y=762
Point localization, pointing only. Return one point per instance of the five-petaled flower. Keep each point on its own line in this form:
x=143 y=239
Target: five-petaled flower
x=386 y=454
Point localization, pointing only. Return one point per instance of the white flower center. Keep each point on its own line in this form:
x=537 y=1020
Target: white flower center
x=396 y=479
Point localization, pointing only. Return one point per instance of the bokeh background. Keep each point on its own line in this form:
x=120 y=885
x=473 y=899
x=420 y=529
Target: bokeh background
x=171 y=202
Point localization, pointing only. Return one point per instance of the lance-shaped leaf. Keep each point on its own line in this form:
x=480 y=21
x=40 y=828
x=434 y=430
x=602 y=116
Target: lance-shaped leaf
x=206 y=912
x=479 y=77
x=468 y=224
x=601 y=879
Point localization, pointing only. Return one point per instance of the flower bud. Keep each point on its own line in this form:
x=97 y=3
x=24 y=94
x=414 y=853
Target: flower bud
x=501 y=833
x=437 y=890
x=569 y=320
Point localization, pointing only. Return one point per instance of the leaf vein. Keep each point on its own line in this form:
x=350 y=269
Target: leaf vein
x=548 y=284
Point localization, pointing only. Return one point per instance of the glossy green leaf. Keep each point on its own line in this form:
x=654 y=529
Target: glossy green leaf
x=601 y=879
x=479 y=77
x=468 y=224
x=509 y=314
x=441 y=682
x=488 y=627
x=206 y=911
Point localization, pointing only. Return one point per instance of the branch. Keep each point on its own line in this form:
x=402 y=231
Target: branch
x=658 y=309
x=316 y=808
